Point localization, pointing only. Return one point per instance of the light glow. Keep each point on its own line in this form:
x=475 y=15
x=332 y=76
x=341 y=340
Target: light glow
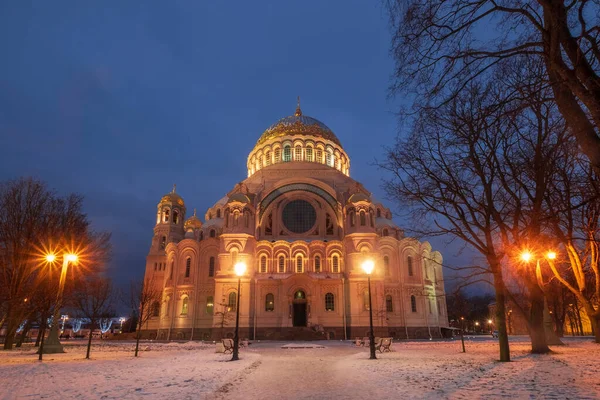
x=551 y=255
x=526 y=256
x=50 y=257
x=489 y=321
x=240 y=269
x=71 y=257
x=368 y=266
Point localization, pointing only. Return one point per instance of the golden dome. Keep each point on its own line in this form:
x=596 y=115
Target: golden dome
x=173 y=198
x=192 y=222
x=298 y=124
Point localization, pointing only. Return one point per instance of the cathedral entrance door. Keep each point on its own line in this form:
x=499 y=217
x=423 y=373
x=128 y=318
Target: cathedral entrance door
x=299 y=314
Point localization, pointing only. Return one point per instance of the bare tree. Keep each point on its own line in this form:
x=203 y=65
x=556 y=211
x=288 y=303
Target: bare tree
x=33 y=218
x=145 y=298
x=224 y=317
x=575 y=207
x=440 y=46
x=93 y=299
x=478 y=167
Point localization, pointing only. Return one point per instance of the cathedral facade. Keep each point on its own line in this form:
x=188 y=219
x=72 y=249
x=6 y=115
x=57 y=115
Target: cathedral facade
x=303 y=228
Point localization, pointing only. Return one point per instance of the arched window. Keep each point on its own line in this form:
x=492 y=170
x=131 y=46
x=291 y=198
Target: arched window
x=366 y=300
x=299 y=264
x=172 y=268
x=298 y=153
x=212 y=233
x=166 y=219
x=413 y=304
x=329 y=302
x=260 y=163
x=219 y=213
x=263 y=264
x=352 y=218
x=386 y=265
x=210 y=305
x=175 y=216
x=155 y=266
x=410 y=265
x=268 y=158
x=329 y=159
x=287 y=154
x=211 y=267
x=270 y=302
x=385 y=232
x=319 y=156
x=163 y=242
x=378 y=213
x=184 y=306
x=309 y=154
x=277 y=156
x=317 y=264
x=188 y=266
x=231 y=304
x=156 y=309
x=281 y=264
x=389 y=304
x=363 y=218
x=335 y=265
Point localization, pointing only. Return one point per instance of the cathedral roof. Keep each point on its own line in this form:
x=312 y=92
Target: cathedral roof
x=172 y=198
x=298 y=124
x=193 y=222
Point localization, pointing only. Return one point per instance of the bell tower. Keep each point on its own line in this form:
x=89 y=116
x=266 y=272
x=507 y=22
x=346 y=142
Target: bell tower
x=170 y=217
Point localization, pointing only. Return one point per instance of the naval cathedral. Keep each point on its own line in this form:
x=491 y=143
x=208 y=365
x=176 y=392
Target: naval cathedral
x=303 y=228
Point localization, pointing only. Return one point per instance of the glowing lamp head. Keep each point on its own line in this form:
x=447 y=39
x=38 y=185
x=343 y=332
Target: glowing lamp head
x=368 y=266
x=476 y=323
x=489 y=321
x=526 y=256
x=50 y=257
x=240 y=269
x=551 y=255
x=71 y=257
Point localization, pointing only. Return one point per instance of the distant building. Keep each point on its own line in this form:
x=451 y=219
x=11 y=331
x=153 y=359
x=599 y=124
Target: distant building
x=303 y=227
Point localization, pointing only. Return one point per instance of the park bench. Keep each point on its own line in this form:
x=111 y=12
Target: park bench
x=228 y=345
x=385 y=344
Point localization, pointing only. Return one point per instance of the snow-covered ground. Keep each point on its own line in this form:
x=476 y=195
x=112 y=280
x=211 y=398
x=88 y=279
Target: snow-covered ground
x=271 y=370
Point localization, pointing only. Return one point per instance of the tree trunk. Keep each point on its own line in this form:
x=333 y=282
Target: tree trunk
x=24 y=333
x=89 y=345
x=539 y=344
x=39 y=336
x=596 y=328
x=579 y=322
x=500 y=311
x=137 y=341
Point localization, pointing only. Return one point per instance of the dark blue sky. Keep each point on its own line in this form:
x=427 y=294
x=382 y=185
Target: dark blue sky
x=119 y=100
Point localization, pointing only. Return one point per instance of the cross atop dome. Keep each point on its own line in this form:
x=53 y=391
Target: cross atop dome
x=298 y=112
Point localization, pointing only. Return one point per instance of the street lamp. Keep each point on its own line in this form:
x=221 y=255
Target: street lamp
x=53 y=345
x=368 y=266
x=527 y=256
x=490 y=326
x=240 y=269
x=122 y=320
x=462 y=333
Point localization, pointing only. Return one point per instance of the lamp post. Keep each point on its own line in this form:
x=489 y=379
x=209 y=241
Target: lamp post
x=368 y=267
x=527 y=256
x=52 y=345
x=490 y=326
x=462 y=333
x=122 y=321
x=240 y=269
